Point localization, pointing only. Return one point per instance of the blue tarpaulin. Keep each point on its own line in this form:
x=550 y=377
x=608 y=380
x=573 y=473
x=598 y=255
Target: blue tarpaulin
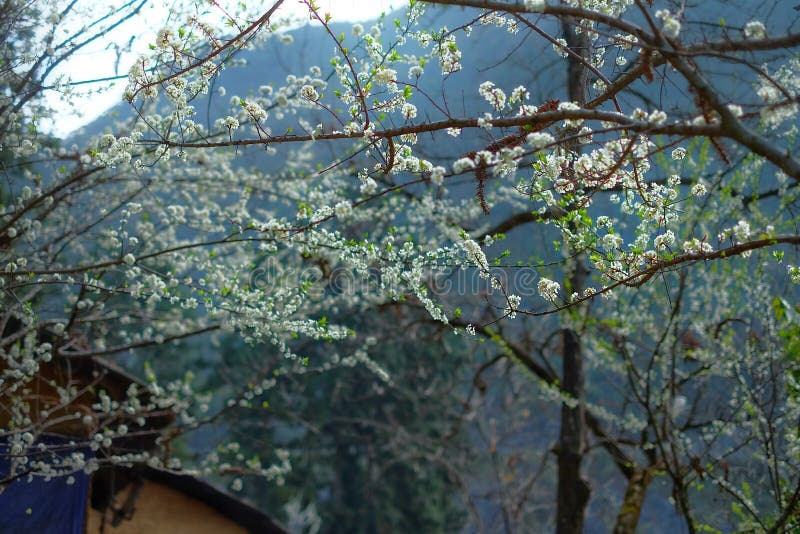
x=43 y=507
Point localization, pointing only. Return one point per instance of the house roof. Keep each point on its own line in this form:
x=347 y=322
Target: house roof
x=236 y=509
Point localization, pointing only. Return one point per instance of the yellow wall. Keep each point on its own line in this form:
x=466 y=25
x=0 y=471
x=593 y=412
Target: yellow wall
x=161 y=509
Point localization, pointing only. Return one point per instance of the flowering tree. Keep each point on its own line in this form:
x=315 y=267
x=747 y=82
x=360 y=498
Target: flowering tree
x=651 y=189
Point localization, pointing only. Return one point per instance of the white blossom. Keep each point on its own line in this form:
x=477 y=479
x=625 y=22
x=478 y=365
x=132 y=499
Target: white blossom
x=755 y=29
x=535 y=6
x=385 y=75
x=343 y=209
x=671 y=26
x=309 y=93
x=548 y=289
x=699 y=189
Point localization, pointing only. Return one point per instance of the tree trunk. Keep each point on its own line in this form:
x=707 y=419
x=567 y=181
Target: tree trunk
x=573 y=490
x=631 y=508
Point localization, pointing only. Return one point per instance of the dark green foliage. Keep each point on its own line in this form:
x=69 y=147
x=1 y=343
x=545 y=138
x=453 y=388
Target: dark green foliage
x=371 y=456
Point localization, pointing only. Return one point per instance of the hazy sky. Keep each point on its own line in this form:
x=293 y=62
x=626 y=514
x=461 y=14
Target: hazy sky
x=99 y=61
